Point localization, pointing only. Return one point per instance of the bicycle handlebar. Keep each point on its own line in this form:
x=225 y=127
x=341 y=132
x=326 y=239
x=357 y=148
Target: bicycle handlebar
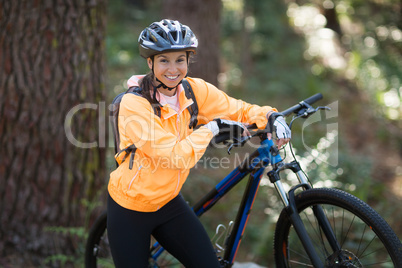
x=298 y=106
x=294 y=109
x=220 y=138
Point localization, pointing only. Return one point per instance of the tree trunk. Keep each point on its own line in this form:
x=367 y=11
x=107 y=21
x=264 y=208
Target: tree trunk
x=203 y=17
x=51 y=114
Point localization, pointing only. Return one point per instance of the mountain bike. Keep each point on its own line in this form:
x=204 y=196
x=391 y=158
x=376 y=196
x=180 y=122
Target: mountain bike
x=318 y=227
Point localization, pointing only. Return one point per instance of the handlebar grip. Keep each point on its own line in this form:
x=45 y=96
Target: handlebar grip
x=220 y=138
x=309 y=100
x=313 y=98
x=226 y=136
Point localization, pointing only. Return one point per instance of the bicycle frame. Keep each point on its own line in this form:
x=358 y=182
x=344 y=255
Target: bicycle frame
x=254 y=166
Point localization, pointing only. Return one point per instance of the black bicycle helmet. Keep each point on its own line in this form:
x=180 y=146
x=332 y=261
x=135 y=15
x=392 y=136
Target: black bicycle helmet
x=164 y=36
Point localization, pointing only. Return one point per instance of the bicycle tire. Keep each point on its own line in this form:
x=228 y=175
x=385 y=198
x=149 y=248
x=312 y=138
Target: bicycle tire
x=97 y=250
x=376 y=244
x=98 y=255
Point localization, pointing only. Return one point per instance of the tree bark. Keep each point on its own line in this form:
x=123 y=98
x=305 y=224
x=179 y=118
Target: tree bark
x=51 y=60
x=203 y=17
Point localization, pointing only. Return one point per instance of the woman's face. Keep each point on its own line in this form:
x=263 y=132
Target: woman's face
x=170 y=67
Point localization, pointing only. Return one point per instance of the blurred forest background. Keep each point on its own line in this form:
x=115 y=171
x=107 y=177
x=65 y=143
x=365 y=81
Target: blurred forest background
x=58 y=55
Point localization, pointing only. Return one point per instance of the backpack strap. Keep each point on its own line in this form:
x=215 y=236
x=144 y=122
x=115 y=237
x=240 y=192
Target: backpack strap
x=193 y=108
x=114 y=113
x=130 y=149
x=138 y=91
x=135 y=90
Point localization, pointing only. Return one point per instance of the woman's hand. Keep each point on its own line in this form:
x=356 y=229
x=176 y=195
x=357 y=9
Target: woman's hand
x=237 y=129
x=277 y=124
x=219 y=126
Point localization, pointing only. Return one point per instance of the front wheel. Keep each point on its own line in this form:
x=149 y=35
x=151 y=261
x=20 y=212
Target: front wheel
x=365 y=238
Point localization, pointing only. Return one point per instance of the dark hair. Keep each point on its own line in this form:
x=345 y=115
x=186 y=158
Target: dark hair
x=146 y=85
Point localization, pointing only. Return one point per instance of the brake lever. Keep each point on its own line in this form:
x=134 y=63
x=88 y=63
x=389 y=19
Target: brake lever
x=309 y=110
x=323 y=108
x=306 y=111
x=237 y=143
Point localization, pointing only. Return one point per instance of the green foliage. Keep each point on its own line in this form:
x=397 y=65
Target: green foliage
x=74 y=231
x=126 y=20
x=62 y=260
x=77 y=234
x=273 y=70
x=375 y=38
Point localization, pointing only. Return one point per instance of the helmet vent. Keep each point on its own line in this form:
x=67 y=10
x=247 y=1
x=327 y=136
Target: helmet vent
x=166 y=35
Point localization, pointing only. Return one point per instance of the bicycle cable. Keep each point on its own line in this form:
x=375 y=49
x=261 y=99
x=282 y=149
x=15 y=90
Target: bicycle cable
x=291 y=148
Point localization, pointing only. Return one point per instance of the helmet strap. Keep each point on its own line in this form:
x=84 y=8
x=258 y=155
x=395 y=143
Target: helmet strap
x=165 y=86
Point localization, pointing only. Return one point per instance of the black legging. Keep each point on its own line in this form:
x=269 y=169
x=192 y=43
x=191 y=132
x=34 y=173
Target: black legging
x=175 y=226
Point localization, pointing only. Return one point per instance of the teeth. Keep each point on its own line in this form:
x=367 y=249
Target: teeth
x=171 y=77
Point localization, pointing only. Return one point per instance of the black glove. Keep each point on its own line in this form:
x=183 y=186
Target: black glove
x=235 y=129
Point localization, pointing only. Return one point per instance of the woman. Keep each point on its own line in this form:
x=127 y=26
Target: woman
x=144 y=196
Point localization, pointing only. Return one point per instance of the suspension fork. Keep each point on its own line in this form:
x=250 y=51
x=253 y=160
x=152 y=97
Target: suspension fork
x=291 y=209
x=318 y=211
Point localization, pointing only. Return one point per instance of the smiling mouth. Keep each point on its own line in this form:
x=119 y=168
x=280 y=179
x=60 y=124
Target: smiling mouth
x=172 y=77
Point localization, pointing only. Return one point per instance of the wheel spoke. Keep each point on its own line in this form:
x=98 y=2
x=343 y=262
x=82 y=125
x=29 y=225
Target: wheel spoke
x=366 y=240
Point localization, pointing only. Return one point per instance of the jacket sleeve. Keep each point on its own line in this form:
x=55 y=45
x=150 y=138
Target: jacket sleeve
x=214 y=103
x=139 y=125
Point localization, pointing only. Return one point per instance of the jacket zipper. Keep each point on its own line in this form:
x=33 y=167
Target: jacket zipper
x=177 y=127
x=135 y=176
x=178 y=138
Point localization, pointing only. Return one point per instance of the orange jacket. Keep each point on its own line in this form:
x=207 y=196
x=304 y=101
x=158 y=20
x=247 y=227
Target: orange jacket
x=166 y=147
